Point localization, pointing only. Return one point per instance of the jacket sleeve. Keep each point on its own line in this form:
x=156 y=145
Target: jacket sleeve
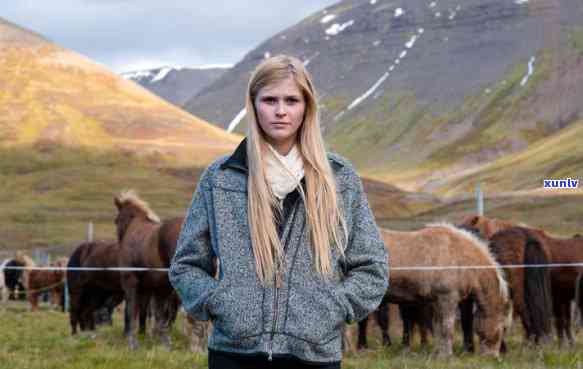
x=191 y=267
x=366 y=261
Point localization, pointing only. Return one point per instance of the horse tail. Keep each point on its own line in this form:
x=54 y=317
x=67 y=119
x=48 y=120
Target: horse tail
x=538 y=304
x=75 y=260
x=579 y=295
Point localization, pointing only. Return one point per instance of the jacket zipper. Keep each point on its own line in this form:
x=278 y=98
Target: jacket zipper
x=275 y=308
x=277 y=285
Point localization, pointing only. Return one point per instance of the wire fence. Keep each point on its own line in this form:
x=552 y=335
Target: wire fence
x=398 y=268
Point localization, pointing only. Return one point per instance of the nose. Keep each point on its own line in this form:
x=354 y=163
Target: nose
x=280 y=110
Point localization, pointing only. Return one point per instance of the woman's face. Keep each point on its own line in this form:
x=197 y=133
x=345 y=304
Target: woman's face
x=280 y=110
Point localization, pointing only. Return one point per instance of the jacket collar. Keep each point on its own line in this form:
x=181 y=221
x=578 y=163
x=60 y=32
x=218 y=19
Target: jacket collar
x=238 y=160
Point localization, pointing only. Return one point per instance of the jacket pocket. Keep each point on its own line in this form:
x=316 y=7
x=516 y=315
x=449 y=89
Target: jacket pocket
x=236 y=311
x=315 y=313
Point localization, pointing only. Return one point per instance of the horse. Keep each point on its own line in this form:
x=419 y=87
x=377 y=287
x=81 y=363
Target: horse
x=146 y=242
x=525 y=305
x=485 y=227
x=562 y=280
x=3 y=287
x=90 y=291
x=38 y=281
x=443 y=245
x=13 y=279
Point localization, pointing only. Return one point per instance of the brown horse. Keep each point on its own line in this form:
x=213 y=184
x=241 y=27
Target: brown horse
x=444 y=246
x=53 y=281
x=530 y=287
x=563 y=280
x=145 y=242
x=486 y=227
x=91 y=290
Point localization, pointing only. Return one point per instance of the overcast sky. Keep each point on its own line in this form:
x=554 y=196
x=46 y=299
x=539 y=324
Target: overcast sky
x=127 y=35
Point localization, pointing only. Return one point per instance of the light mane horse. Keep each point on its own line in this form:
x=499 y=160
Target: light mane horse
x=145 y=241
x=27 y=262
x=445 y=246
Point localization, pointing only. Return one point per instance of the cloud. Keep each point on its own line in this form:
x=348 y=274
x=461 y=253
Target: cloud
x=126 y=33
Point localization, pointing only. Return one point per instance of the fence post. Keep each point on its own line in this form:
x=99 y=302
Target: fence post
x=66 y=293
x=480 y=200
x=90 y=232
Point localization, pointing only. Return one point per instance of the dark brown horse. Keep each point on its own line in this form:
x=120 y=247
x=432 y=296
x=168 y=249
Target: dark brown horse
x=146 y=243
x=13 y=286
x=89 y=291
x=563 y=280
x=530 y=287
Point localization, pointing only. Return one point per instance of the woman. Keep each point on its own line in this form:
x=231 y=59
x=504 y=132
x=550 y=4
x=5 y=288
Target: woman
x=299 y=252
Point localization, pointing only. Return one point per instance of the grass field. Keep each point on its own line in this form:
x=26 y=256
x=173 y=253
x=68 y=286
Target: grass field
x=42 y=340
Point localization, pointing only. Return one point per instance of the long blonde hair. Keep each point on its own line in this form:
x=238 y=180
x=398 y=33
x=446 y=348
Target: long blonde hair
x=324 y=217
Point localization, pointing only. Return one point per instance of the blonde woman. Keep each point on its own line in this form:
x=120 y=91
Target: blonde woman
x=300 y=254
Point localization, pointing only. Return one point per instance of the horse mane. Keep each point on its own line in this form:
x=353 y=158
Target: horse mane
x=24 y=259
x=131 y=197
x=480 y=245
x=60 y=262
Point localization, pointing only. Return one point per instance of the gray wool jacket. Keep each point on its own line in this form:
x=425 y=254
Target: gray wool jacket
x=305 y=315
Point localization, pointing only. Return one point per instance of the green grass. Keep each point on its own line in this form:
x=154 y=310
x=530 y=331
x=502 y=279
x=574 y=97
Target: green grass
x=42 y=340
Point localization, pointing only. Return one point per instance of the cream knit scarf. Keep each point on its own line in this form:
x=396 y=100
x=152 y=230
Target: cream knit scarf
x=283 y=173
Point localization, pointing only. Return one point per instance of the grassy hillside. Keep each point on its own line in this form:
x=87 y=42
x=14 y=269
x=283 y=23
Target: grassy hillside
x=50 y=192
x=49 y=94
x=510 y=135
x=73 y=134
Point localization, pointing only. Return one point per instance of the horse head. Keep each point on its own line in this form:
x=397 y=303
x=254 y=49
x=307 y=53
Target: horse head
x=474 y=224
x=129 y=208
x=493 y=322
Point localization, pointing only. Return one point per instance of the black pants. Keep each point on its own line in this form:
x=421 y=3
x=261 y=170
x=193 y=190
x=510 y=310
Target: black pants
x=220 y=360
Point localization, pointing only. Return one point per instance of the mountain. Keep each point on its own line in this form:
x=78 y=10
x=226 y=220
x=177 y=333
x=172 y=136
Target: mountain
x=175 y=84
x=73 y=135
x=50 y=94
x=435 y=95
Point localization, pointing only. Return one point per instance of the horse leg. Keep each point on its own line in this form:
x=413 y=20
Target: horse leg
x=382 y=315
x=406 y=313
x=130 y=287
x=33 y=300
x=558 y=311
x=74 y=311
x=467 y=319
x=565 y=316
x=362 y=325
x=568 y=323
x=424 y=318
x=163 y=315
x=444 y=323
x=199 y=335
x=144 y=302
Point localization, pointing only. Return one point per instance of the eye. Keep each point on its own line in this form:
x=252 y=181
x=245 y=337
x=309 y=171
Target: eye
x=269 y=100
x=292 y=100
